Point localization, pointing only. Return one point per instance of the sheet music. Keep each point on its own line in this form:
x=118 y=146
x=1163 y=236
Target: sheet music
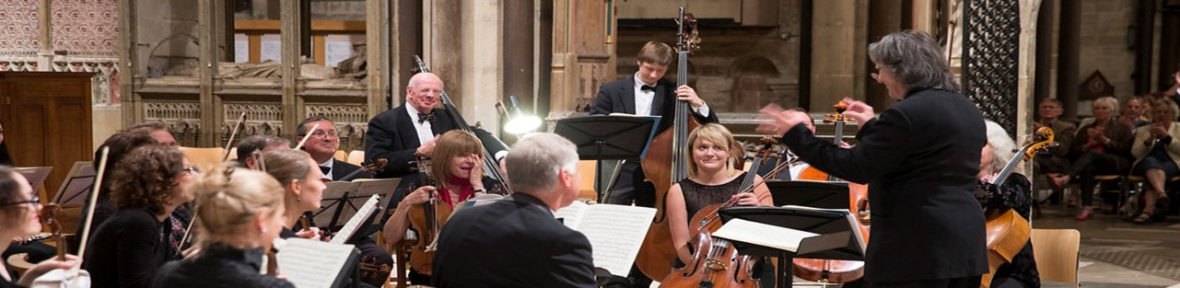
x=762 y=234
x=615 y=232
x=361 y=214
x=833 y=210
x=35 y=175
x=312 y=264
x=572 y=215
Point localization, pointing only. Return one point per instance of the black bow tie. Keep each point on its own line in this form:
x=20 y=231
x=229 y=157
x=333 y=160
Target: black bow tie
x=423 y=117
x=647 y=88
x=325 y=169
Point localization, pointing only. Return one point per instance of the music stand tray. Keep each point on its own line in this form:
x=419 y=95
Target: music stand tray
x=838 y=239
x=818 y=194
x=77 y=185
x=600 y=137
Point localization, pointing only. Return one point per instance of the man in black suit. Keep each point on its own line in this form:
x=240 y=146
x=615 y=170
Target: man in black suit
x=517 y=242
x=920 y=159
x=400 y=133
x=322 y=145
x=646 y=93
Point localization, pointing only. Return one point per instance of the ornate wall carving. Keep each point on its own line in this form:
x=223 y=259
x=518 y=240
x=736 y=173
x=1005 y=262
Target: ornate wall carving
x=351 y=121
x=85 y=27
x=19 y=25
x=183 y=119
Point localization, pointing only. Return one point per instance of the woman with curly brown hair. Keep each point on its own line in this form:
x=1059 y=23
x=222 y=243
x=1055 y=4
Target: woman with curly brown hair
x=146 y=187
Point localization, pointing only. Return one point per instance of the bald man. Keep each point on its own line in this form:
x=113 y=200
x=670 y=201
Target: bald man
x=411 y=129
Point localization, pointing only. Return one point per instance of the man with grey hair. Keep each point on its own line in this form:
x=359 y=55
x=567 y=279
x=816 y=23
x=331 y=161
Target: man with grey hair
x=517 y=241
x=920 y=159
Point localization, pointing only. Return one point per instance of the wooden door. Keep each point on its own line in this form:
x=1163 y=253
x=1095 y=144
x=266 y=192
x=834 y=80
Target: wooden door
x=47 y=121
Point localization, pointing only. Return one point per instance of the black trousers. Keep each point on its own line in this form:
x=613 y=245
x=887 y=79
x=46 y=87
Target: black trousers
x=964 y=282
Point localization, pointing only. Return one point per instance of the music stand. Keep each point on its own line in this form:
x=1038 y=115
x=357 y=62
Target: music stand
x=600 y=137
x=342 y=199
x=818 y=194
x=77 y=183
x=838 y=238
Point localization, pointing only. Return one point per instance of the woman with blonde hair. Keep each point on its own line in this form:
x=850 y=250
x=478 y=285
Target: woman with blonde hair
x=240 y=215
x=1102 y=146
x=303 y=191
x=712 y=179
x=19 y=209
x=1158 y=154
x=457 y=167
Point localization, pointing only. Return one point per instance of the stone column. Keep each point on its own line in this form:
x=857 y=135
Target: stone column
x=207 y=68
x=1027 y=65
x=835 y=24
x=1069 y=39
x=1044 y=47
x=44 y=19
x=377 y=23
x=291 y=30
x=442 y=22
x=127 y=52
x=482 y=65
x=406 y=42
x=518 y=52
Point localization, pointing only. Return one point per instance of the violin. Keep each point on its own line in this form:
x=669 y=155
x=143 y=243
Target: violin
x=73 y=277
x=836 y=271
x=716 y=262
x=426 y=220
x=1007 y=232
x=666 y=162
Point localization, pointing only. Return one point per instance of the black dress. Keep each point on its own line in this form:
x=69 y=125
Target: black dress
x=1022 y=270
x=218 y=266
x=128 y=248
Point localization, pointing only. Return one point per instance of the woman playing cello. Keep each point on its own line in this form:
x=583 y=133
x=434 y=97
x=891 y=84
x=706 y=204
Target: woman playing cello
x=712 y=179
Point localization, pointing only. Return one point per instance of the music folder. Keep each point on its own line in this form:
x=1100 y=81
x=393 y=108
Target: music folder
x=35 y=175
x=818 y=194
x=77 y=185
x=343 y=199
x=809 y=233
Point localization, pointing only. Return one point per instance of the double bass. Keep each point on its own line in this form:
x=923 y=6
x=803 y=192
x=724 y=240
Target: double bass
x=836 y=271
x=666 y=164
x=716 y=262
x=1007 y=231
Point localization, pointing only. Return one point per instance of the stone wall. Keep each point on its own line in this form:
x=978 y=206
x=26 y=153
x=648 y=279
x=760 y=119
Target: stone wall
x=1104 y=44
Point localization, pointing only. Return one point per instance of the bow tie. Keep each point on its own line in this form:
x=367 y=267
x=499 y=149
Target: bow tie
x=423 y=117
x=647 y=88
x=325 y=169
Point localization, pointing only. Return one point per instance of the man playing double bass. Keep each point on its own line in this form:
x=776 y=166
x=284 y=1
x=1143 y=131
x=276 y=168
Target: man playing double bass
x=646 y=93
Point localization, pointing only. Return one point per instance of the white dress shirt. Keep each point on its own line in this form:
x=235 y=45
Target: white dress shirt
x=643 y=99
x=423 y=127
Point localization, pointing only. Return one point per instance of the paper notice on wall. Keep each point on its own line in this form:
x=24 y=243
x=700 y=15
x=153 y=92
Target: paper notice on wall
x=272 y=48
x=241 y=48
x=337 y=48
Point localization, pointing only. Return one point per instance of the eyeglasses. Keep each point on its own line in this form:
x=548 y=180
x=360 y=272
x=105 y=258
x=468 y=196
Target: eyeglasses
x=35 y=201
x=191 y=170
x=321 y=133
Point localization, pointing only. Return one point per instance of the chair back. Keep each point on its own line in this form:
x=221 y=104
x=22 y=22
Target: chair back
x=202 y=157
x=1056 y=252
x=340 y=155
x=356 y=157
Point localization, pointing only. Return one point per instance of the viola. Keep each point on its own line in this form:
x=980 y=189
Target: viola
x=1007 y=232
x=836 y=271
x=665 y=163
x=426 y=220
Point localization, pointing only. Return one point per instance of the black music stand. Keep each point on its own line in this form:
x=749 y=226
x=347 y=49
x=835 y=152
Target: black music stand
x=838 y=239
x=340 y=203
x=818 y=194
x=601 y=137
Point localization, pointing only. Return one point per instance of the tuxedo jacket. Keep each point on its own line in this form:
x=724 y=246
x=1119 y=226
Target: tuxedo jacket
x=619 y=97
x=517 y=243
x=392 y=136
x=920 y=159
x=341 y=169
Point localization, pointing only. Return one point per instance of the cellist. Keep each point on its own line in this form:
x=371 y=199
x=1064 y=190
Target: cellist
x=1021 y=271
x=646 y=93
x=712 y=179
x=456 y=164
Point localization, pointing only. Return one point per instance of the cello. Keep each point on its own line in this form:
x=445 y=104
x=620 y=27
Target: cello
x=836 y=271
x=716 y=262
x=426 y=220
x=1007 y=231
x=665 y=163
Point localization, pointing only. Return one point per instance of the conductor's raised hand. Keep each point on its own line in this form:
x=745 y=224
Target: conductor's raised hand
x=858 y=110
x=777 y=121
x=685 y=93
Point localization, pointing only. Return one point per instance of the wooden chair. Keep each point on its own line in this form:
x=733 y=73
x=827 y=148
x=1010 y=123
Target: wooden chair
x=1056 y=252
x=356 y=157
x=586 y=170
x=340 y=155
x=1135 y=185
x=203 y=158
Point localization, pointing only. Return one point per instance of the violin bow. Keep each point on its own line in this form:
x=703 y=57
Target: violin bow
x=102 y=169
x=307 y=136
x=225 y=153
